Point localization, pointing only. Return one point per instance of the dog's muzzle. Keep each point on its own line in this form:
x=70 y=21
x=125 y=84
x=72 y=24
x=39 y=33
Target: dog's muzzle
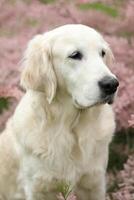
x=108 y=86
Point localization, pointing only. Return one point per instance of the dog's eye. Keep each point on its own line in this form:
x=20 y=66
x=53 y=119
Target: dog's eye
x=76 y=55
x=103 y=53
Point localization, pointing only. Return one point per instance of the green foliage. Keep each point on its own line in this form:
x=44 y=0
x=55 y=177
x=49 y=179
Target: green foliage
x=4 y=103
x=121 y=146
x=47 y=1
x=100 y=7
x=116 y=159
x=64 y=188
x=125 y=137
x=113 y=187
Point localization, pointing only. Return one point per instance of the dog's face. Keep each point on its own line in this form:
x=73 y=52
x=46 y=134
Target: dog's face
x=78 y=57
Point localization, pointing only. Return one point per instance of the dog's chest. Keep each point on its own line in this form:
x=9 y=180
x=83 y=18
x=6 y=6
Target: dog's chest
x=70 y=155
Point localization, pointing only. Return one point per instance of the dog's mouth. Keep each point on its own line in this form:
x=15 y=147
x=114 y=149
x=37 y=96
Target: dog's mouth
x=103 y=100
x=79 y=106
x=108 y=99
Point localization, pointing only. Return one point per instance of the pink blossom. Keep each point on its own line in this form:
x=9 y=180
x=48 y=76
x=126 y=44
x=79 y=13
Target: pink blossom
x=70 y=197
x=131 y=121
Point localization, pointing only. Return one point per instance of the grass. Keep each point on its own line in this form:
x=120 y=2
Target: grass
x=109 y=10
x=4 y=104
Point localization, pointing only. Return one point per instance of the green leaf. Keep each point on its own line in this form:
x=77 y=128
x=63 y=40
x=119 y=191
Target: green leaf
x=64 y=188
x=4 y=104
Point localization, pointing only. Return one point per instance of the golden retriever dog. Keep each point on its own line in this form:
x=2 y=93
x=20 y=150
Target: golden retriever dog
x=61 y=129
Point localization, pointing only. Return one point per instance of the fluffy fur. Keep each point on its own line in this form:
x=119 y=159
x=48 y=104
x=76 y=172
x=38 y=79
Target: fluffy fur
x=61 y=130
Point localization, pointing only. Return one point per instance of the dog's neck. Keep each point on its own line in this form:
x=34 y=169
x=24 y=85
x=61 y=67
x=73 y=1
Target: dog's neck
x=62 y=110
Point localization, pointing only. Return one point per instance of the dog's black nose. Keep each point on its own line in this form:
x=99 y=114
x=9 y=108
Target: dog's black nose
x=108 y=85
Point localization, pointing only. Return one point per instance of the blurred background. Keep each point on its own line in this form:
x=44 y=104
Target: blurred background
x=20 y=20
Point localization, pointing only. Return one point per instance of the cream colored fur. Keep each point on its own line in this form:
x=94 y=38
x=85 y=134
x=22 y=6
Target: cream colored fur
x=49 y=139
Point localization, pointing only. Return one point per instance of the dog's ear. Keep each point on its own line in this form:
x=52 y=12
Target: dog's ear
x=38 y=73
x=109 y=56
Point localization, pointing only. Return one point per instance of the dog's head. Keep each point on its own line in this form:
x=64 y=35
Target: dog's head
x=73 y=59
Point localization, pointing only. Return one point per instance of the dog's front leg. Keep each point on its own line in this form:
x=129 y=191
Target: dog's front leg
x=32 y=190
x=37 y=191
x=92 y=187
x=36 y=183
